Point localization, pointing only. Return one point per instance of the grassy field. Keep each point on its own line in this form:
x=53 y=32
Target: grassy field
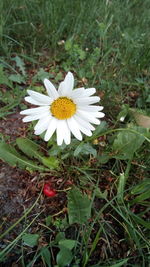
x=101 y=213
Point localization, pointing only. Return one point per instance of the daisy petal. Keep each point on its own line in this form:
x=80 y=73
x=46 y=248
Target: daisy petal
x=94 y=114
x=90 y=108
x=63 y=133
x=67 y=134
x=84 y=123
x=43 y=99
x=42 y=123
x=73 y=126
x=42 y=126
x=30 y=100
x=87 y=100
x=61 y=88
x=60 y=132
x=34 y=111
x=82 y=92
x=35 y=117
x=51 y=90
x=89 y=91
x=78 y=92
x=66 y=86
x=84 y=130
x=88 y=118
x=51 y=129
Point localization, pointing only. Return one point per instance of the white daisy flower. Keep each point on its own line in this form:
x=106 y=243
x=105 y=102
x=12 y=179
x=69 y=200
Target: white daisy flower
x=65 y=111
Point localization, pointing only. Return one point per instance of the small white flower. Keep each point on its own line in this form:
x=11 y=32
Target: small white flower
x=122 y=118
x=65 y=111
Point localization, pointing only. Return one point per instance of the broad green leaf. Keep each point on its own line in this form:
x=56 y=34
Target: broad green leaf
x=20 y=64
x=127 y=142
x=85 y=149
x=30 y=240
x=50 y=162
x=10 y=155
x=79 y=206
x=103 y=158
x=68 y=243
x=60 y=236
x=33 y=150
x=46 y=256
x=29 y=148
x=64 y=257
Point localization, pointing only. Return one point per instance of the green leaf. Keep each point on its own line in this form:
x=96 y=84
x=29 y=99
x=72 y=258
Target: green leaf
x=68 y=243
x=50 y=162
x=59 y=236
x=148 y=99
x=33 y=150
x=123 y=113
x=64 y=257
x=48 y=220
x=30 y=240
x=119 y=263
x=13 y=158
x=127 y=142
x=20 y=64
x=100 y=194
x=41 y=75
x=46 y=256
x=103 y=158
x=68 y=44
x=85 y=149
x=4 y=79
x=79 y=206
x=18 y=78
x=100 y=129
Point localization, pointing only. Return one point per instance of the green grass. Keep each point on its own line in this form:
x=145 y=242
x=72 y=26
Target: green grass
x=106 y=43
x=120 y=29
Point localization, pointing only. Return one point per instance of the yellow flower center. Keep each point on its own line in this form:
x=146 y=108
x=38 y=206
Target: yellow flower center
x=63 y=108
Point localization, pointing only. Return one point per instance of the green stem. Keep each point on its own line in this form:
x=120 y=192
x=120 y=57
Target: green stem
x=128 y=168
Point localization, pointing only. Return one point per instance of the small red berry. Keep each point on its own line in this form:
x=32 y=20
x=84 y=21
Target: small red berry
x=48 y=190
